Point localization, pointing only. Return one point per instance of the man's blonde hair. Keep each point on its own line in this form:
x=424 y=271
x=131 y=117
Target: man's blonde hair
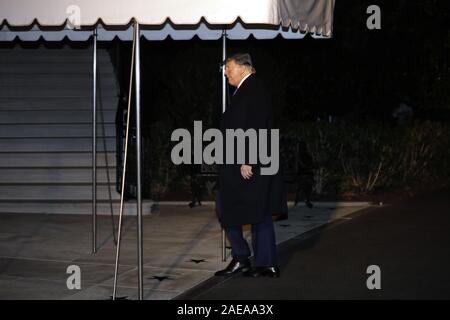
x=242 y=59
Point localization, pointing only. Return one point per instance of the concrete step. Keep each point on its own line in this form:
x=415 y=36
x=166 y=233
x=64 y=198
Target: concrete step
x=105 y=102
x=56 y=192
x=55 y=130
x=55 y=159
x=55 y=68
x=81 y=207
x=66 y=93
x=56 y=82
x=55 y=144
x=45 y=130
x=62 y=90
x=55 y=176
x=54 y=116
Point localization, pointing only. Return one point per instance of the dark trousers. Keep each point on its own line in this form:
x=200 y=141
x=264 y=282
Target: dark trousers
x=263 y=241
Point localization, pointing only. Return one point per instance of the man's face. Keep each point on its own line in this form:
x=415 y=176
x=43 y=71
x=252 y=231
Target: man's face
x=234 y=72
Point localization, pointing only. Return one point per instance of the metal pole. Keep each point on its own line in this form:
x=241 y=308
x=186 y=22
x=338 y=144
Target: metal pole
x=124 y=170
x=224 y=80
x=138 y=161
x=224 y=105
x=94 y=148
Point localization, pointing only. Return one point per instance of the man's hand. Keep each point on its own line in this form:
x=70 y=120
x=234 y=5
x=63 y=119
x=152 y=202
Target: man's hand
x=246 y=171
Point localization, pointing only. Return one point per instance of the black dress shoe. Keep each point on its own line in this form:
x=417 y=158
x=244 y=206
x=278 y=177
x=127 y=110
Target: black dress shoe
x=234 y=267
x=271 y=272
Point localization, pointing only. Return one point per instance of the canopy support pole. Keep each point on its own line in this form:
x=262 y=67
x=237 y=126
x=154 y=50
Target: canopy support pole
x=224 y=106
x=94 y=147
x=124 y=169
x=138 y=161
x=224 y=80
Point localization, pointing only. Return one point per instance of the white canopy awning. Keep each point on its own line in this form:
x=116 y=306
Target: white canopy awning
x=54 y=20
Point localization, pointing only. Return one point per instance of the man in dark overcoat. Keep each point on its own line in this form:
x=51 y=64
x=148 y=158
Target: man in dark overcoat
x=245 y=195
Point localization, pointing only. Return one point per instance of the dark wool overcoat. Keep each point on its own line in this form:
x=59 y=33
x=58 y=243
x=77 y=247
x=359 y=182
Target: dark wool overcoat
x=248 y=201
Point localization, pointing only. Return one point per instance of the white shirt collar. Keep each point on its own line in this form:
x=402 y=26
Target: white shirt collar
x=243 y=80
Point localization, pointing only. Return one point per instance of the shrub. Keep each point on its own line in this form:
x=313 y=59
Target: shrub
x=364 y=157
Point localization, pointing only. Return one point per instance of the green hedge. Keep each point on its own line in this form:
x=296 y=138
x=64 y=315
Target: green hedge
x=365 y=157
x=357 y=158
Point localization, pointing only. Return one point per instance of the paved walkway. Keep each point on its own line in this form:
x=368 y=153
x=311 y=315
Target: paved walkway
x=408 y=241
x=182 y=250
